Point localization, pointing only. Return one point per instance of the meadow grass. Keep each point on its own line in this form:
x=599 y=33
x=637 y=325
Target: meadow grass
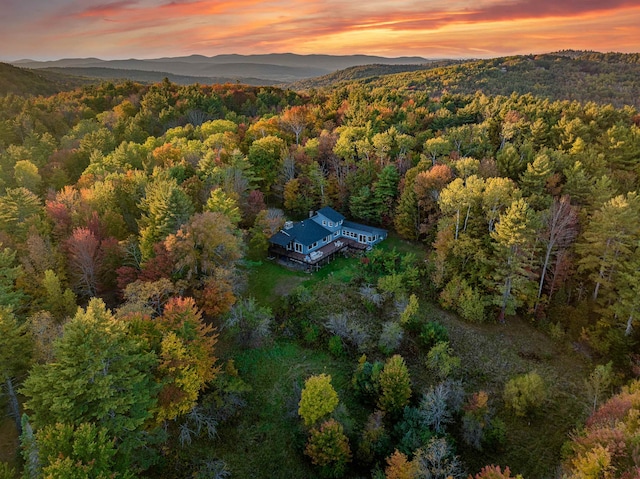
x=267 y=439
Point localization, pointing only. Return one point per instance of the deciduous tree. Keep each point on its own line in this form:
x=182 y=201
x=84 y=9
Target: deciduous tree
x=318 y=399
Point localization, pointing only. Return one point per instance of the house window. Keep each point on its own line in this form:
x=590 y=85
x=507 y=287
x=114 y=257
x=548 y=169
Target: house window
x=369 y=239
x=313 y=245
x=326 y=239
x=298 y=247
x=324 y=222
x=336 y=234
x=330 y=224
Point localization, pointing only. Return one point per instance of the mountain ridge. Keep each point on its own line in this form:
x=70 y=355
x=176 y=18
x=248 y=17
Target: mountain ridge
x=281 y=67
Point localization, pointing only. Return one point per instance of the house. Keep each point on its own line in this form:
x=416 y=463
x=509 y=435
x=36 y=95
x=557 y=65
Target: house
x=320 y=236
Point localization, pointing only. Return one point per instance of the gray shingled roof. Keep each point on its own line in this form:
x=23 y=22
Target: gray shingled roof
x=330 y=213
x=361 y=227
x=305 y=232
x=308 y=232
x=281 y=239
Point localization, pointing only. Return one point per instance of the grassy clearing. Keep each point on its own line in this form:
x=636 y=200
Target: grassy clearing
x=268 y=438
x=494 y=353
x=268 y=281
x=267 y=441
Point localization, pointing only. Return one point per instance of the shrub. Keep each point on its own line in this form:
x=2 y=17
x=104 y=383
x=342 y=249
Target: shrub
x=391 y=337
x=7 y=472
x=524 y=393
x=344 y=326
x=441 y=360
x=432 y=333
x=335 y=346
x=318 y=399
x=496 y=435
x=412 y=431
x=365 y=380
x=250 y=323
x=374 y=442
x=465 y=300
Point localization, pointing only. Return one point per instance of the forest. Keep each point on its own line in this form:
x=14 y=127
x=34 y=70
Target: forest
x=147 y=332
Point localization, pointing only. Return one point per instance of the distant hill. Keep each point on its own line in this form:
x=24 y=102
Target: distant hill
x=584 y=76
x=151 y=76
x=286 y=67
x=21 y=81
x=366 y=71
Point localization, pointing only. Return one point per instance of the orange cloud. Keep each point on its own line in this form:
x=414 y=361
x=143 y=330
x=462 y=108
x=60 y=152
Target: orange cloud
x=147 y=28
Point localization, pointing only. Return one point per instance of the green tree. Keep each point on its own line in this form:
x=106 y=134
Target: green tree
x=513 y=236
x=362 y=205
x=318 y=399
x=533 y=182
x=59 y=303
x=16 y=351
x=607 y=241
x=27 y=176
x=459 y=199
x=101 y=374
x=11 y=297
x=165 y=208
x=220 y=202
x=20 y=209
x=498 y=194
x=83 y=452
x=184 y=345
x=265 y=155
x=525 y=393
x=395 y=385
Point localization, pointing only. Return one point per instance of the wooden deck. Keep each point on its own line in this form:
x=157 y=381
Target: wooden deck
x=314 y=261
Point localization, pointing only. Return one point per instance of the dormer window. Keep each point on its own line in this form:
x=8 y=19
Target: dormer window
x=324 y=222
x=330 y=224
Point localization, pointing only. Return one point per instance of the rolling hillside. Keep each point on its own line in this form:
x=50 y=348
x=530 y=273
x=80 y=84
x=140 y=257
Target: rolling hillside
x=21 y=81
x=585 y=76
x=282 y=68
x=151 y=76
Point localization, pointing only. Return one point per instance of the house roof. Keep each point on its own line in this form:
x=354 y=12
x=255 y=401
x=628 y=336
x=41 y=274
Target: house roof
x=361 y=227
x=305 y=232
x=281 y=239
x=308 y=232
x=330 y=213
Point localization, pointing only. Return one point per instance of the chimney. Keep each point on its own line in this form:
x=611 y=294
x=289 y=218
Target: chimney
x=311 y=213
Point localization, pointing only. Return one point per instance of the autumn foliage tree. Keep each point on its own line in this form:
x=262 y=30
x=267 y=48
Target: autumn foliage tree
x=328 y=447
x=318 y=399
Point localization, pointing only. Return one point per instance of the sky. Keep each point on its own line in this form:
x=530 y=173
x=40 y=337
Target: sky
x=119 y=29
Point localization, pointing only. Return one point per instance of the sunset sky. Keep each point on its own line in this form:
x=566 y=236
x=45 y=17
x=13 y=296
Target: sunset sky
x=53 y=29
